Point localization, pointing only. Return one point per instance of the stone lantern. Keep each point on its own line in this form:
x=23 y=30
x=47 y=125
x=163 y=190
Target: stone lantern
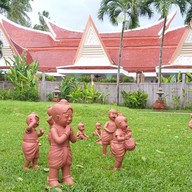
x=56 y=94
x=160 y=103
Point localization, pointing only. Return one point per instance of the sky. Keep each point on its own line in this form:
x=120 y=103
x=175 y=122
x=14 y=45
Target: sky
x=74 y=14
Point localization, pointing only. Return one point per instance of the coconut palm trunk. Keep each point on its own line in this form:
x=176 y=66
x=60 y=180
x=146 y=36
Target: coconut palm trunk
x=160 y=60
x=119 y=62
x=161 y=52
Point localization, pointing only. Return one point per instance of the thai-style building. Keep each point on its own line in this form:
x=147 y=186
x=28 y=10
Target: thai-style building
x=61 y=51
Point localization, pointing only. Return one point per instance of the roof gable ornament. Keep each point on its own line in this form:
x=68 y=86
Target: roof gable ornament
x=5 y=49
x=183 y=54
x=91 y=49
x=91 y=38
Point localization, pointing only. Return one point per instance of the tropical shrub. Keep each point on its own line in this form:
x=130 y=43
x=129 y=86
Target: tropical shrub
x=86 y=94
x=23 y=77
x=78 y=92
x=128 y=79
x=137 y=99
x=50 y=96
x=47 y=77
x=84 y=78
x=68 y=85
x=124 y=79
x=108 y=80
x=6 y=94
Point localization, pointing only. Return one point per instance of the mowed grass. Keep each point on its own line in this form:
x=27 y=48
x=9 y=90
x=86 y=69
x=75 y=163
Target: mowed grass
x=161 y=162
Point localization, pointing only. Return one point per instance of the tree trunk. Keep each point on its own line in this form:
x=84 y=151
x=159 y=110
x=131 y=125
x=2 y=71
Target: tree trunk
x=119 y=60
x=161 y=52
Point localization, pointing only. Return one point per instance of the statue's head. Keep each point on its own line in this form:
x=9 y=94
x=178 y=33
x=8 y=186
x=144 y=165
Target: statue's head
x=61 y=112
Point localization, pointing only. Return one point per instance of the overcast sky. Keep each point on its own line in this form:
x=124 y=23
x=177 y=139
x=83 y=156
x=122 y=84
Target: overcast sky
x=73 y=14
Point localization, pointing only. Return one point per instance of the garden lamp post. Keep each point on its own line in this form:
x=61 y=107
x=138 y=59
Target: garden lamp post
x=56 y=94
x=159 y=103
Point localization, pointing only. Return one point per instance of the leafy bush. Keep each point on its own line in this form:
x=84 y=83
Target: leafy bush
x=23 y=77
x=136 y=99
x=128 y=79
x=50 y=96
x=86 y=94
x=84 y=78
x=50 y=78
x=6 y=94
x=124 y=79
x=108 y=80
x=47 y=77
x=67 y=85
x=27 y=94
x=73 y=91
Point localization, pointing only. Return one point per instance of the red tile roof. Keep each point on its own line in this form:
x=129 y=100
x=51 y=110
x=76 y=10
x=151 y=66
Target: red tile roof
x=59 y=46
x=61 y=33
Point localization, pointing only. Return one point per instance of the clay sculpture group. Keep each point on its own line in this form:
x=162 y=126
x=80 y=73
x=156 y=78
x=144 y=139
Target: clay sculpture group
x=116 y=134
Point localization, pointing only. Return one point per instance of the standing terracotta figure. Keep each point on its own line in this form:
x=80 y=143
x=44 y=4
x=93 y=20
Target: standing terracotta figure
x=50 y=122
x=61 y=134
x=118 y=142
x=97 y=132
x=30 y=143
x=190 y=122
x=81 y=131
x=130 y=143
x=109 y=129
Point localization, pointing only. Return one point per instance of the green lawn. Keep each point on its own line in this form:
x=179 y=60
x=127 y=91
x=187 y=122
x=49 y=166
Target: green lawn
x=161 y=162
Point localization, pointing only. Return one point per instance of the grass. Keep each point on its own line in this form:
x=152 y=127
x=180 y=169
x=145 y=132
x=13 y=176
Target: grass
x=161 y=161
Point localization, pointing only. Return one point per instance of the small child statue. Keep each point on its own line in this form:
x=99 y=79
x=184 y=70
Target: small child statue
x=118 y=143
x=50 y=122
x=30 y=143
x=98 y=131
x=81 y=131
x=130 y=143
x=109 y=129
x=60 y=136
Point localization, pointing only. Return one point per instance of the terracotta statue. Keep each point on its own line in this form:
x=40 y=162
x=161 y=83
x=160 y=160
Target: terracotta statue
x=130 y=143
x=30 y=143
x=50 y=122
x=190 y=122
x=109 y=129
x=81 y=131
x=97 y=132
x=60 y=136
x=118 y=143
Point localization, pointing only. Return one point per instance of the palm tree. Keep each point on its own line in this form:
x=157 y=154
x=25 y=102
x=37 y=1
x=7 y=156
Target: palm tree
x=42 y=26
x=129 y=10
x=163 y=7
x=188 y=19
x=18 y=12
x=4 y=6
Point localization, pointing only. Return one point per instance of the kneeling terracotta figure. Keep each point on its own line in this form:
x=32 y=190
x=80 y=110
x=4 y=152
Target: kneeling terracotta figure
x=81 y=131
x=121 y=141
x=30 y=143
x=98 y=131
x=60 y=136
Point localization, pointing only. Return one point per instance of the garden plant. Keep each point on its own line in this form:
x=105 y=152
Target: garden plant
x=161 y=161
